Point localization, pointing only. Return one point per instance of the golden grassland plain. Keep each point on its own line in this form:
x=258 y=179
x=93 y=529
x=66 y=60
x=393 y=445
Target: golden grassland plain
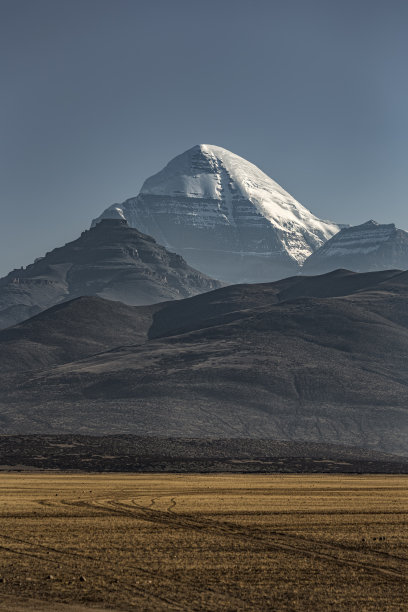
x=203 y=542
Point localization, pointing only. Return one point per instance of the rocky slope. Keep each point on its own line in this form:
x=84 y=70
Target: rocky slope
x=370 y=246
x=225 y=217
x=319 y=359
x=111 y=260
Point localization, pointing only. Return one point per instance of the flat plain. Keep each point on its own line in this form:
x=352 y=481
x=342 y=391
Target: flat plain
x=203 y=542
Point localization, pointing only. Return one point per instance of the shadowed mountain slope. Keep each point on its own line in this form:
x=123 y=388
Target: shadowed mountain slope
x=72 y=330
x=319 y=359
x=87 y=325
x=111 y=260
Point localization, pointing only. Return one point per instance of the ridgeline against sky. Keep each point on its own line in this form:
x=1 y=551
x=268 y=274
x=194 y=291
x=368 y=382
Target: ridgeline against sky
x=98 y=95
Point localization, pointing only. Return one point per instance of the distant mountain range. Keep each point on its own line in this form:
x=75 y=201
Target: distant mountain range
x=110 y=260
x=362 y=248
x=318 y=359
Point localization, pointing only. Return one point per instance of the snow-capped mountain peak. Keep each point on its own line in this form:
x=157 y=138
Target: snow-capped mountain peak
x=208 y=171
x=210 y=201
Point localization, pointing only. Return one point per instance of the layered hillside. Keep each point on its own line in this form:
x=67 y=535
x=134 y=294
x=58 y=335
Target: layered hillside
x=110 y=260
x=225 y=217
x=362 y=248
x=319 y=359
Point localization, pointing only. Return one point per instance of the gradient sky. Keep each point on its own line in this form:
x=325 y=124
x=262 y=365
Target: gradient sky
x=97 y=95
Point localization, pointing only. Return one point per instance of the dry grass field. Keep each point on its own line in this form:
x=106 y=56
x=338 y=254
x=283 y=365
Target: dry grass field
x=191 y=542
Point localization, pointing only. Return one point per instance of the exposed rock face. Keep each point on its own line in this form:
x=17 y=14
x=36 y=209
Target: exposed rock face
x=318 y=359
x=225 y=217
x=110 y=260
x=361 y=248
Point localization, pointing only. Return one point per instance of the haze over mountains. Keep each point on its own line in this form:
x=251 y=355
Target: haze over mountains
x=111 y=260
x=318 y=359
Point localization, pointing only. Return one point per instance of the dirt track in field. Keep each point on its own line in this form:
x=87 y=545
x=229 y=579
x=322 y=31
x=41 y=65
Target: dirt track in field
x=191 y=542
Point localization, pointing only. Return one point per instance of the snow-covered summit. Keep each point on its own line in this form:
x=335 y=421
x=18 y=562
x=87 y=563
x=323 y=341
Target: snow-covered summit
x=225 y=216
x=208 y=171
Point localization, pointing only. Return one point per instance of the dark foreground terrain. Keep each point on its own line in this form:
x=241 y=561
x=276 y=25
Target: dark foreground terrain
x=139 y=454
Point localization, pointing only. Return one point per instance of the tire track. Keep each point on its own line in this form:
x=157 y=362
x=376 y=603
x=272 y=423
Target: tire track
x=295 y=545
x=233 y=530
x=226 y=528
x=172 y=505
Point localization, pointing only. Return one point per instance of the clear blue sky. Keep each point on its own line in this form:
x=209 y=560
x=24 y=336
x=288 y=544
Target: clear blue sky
x=96 y=95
